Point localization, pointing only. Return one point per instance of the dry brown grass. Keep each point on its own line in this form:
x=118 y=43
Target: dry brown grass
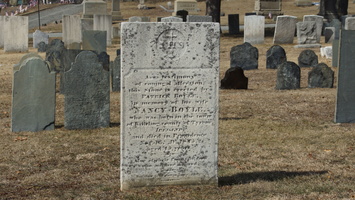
x=272 y=144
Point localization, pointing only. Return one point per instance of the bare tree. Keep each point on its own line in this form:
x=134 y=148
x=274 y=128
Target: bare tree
x=213 y=8
x=333 y=9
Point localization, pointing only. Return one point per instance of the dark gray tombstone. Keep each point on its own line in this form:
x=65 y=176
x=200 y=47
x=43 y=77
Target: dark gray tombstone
x=233 y=24
x=275 y=56
x=183 y=14
x=104 y=59
x=234 y=79
x=95 y=41
x=307 y=58
x=345 y=101
x=335 y=54
x=329 y=34
x=244 y=56
x=54 y=53
x=42 y=47
x=116 y=74
x=250 y=13
x=288 y=76
x=321 y=76
x=87 y=93
x=33 y=96
x=118 y=52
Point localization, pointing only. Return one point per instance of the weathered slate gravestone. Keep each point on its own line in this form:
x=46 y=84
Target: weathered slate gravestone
x=104 y=59
x=285 y=29
x=87 y=93
x=54 y=53
x=307 y=58
x=16 y=34
x=349 y=23
x=319 y=24
x=275 y=56
x=116 y=74
x=183 y=14
x=329 y=34
x=71 y=28
x=2 y=32
x=233 y=24
x=345 y=108
x=288 y=76
x=169 y=98
x=104 y=23
x=33 y=96
x=42 y=47
x=244 y=56
x=234 y=79
x=321 y=76
x=198 y=18
x=39 y=36
x=254 y=29
x=171 y=19
x=307 y=32
x=95 y=41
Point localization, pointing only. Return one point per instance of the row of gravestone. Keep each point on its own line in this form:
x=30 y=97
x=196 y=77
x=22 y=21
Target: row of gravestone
x=84 y=80
x=245 y=57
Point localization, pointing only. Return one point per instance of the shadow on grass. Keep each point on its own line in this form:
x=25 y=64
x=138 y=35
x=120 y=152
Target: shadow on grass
x=244 y=178
x=115 y=124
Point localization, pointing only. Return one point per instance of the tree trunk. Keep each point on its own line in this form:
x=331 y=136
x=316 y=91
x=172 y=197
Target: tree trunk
x=333 y=9
x=213 y=8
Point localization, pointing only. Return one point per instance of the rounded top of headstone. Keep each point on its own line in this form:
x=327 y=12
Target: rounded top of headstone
x=87 y=56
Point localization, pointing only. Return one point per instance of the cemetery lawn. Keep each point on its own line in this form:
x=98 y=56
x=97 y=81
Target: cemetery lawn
x=272 y=144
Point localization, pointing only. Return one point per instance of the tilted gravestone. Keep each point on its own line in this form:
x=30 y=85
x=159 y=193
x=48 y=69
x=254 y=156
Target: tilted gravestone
x=345 y=101
x=87 y=93
x=169 y=98
x=171 y=19
x=2 y=32
x=33 y=96
x=275 y=56
x=234 y=79
x=16 y=34
x=285 y=29
x=321 y=76
x=95 y=41
x=116 y=74
x=233 y=24
x=39 y=36
x=254 y=29
x=307 y=58
x=288 y=76
x=244 y=56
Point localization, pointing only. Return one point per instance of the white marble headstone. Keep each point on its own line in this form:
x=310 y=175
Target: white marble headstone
x=169 y=103
x=254 y=29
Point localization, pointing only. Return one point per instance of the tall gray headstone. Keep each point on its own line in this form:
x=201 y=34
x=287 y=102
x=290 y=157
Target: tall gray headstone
x=233 y=24
x=33 y=96
x=285 y=29
x=169 y=99
x=319 y=24
x=254 y=29
x=94 y=41
x=116 y=74
x=87 y=93
x=345 y=101
x=2 y=31
x=39 y=36
x=198 y=18
x=16 y=34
